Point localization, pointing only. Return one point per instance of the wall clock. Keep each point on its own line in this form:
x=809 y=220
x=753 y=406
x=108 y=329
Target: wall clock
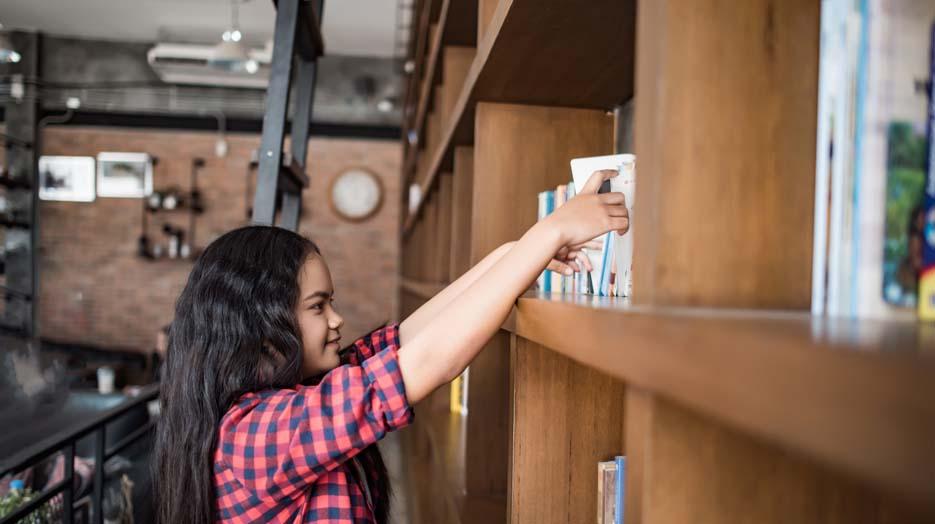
x=356 y=194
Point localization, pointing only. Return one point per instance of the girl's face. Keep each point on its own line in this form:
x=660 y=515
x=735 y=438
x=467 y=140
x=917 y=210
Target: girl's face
x=319 y=323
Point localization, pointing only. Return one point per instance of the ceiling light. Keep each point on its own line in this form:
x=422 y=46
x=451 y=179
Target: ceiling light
x=231 y=56
x=385 y=106
x=8 y=55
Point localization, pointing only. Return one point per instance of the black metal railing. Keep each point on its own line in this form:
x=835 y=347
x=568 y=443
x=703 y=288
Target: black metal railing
x=65 y=442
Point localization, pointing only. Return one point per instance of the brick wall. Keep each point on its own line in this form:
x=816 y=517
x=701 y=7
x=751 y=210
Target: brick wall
x=94 y=289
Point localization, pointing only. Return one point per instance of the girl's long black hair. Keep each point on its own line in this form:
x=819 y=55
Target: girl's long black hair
x=234 y=332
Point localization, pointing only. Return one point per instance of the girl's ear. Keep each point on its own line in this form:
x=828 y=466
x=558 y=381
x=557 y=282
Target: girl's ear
x=270 y=361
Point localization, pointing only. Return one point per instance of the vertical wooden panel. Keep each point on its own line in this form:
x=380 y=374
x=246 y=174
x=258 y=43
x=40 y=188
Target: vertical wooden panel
x=457 y=62
x=689 y=469
x=566 y=419
x=461 y=212
x=725 y=141
x=429 y=237
x=520 y=151
x=488 y=419
x=485 y=10
x=442 y=260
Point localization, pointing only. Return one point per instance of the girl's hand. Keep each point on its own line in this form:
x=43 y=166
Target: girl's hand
x=589 y=215
x=571 y=259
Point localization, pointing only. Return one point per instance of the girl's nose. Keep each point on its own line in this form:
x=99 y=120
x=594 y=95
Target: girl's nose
x=335 y=321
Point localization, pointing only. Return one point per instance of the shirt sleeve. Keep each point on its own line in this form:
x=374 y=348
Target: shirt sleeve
x=372 y=343
x=279 y=442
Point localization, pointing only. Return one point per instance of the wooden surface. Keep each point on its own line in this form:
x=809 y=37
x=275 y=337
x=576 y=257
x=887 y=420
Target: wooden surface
x=520 y=151
x=637 y=445
x=437 y=462
x=856 y=396
x=566 y=419
x=456 y=63
x=725 y=141
x=697 y=471
x=485 y=10
x=442 y=258
x=461 y=198
x=593 y=41
x=488 y=421
x=517 y=62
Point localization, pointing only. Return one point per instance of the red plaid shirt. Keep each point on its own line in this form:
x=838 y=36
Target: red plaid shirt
x=285 y=455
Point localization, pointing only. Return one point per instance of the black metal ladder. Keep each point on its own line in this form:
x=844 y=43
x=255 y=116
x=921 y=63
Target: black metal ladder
x=281 y=177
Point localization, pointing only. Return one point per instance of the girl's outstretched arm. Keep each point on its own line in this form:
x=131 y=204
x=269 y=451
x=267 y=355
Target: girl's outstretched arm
x=420 y=317
x=448 y=342
x=565 y=262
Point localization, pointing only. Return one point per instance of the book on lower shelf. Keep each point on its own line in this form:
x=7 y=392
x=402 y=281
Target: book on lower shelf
x=459 y=393
x=611 y=483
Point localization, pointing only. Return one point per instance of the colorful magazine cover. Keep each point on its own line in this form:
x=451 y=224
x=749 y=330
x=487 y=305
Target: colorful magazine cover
x=905 y=183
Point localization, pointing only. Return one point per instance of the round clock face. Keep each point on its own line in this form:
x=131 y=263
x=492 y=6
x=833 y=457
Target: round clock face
x=356 y=194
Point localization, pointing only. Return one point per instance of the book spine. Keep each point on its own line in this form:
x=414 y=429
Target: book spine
x=457 y=399
x=603 y=285
x=926 y=301
x=569 y=283
x=558 y=278
x=620 y=489
x=546 y=203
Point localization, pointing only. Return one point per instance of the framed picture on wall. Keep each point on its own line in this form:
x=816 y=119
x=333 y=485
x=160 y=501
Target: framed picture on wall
x=66 y=178
x=124 y=175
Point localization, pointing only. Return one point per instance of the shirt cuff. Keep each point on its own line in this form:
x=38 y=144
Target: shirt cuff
x=382 y=371
x=386 y=337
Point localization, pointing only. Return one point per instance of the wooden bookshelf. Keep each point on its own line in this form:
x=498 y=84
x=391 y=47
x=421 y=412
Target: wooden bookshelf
x=730 y=402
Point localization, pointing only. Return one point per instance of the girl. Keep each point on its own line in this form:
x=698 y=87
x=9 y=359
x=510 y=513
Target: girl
x=265 y=419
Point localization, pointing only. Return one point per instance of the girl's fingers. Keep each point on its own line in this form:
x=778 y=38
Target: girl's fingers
x=620 y=224
x=617 y=211
x=597 y=178
x=586 y=261
x=618 y=199
x=560 y=267
x=590 y=244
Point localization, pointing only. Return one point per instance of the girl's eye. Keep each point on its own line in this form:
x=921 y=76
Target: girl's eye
x=318 y=306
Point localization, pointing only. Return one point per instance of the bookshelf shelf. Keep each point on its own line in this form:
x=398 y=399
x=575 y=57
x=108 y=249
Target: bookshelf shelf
x=799 y=382
x=515 y=64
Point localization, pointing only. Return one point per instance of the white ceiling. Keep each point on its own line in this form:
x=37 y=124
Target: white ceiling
x=350 y=27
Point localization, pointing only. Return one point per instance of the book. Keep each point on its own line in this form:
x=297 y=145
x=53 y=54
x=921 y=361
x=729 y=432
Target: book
x=611 y=492
x=570 y=283
x=926 y=303
x=546 y=205
x=606 y=491
x=620 y=488
x=873 y=54
x=558 y=279
x=625 y=183
x=458 y=393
